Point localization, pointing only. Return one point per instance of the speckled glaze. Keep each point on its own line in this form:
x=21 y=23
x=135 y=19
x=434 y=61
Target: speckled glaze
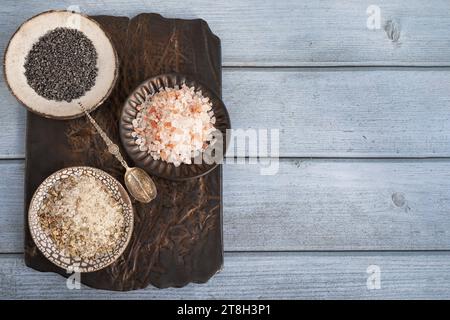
x=45 y=243
x=143 y=159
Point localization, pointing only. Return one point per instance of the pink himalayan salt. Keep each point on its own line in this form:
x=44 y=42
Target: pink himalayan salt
x=174 y=124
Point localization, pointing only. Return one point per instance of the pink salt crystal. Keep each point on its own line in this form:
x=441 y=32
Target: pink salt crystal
x=174 y=124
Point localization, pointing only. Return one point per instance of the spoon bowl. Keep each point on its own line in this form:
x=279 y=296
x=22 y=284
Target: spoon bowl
x=140 y=185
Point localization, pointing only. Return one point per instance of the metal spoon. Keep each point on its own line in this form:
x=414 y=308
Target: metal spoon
x=137 y=181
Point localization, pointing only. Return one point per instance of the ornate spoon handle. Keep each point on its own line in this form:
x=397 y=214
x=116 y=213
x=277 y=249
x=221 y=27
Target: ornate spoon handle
x=112 y=147
x=139 y=184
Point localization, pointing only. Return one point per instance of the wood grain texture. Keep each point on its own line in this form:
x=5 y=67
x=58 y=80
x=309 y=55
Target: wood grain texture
x=345 y=112
x=323 y=112
x=416 y=275
x=11 y=197
x=308 y=205
x=288 y=32
x=12 y=120
x=327 y=112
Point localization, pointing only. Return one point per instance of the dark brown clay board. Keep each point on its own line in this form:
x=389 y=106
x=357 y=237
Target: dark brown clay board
x=177 y=238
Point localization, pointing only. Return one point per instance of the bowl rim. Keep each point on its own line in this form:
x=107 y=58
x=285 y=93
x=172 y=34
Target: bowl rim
x=126 y=198
x=81 y=113
x=124 y=131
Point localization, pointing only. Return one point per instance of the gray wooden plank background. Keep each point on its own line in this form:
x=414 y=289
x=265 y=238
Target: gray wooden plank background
x=265 y=275
x=322 y=205
x=289 y=32
x=356 y=112
x=364 y=140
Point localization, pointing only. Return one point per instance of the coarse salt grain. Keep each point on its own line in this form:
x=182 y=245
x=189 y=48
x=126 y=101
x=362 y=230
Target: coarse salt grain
x=82 y=218
x=174 y=125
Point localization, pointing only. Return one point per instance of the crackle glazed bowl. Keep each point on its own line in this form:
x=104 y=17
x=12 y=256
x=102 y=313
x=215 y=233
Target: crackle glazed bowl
x=59 y=256
x=143 y=159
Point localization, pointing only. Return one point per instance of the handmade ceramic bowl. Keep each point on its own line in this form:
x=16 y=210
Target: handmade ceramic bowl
x=45 y=243
x=29 y=33
x=144 y=160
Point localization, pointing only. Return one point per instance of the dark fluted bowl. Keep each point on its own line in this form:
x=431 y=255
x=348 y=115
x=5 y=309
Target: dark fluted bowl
x=162 y=168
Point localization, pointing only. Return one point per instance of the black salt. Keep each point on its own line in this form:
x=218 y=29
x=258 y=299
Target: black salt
x=62 y=65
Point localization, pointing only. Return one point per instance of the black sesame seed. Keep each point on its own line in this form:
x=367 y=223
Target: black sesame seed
x=62 y=65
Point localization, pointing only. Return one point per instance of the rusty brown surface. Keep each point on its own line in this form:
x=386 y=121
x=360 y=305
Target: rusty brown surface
x=177 y=238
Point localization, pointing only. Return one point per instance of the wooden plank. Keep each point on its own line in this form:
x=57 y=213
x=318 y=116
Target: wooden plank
x=416 y=275
x=309 y=205
x=11 y=209
x=338 y=205
x=12 y=122
x=345 y=112
x=289 y=32
x=322 y=112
